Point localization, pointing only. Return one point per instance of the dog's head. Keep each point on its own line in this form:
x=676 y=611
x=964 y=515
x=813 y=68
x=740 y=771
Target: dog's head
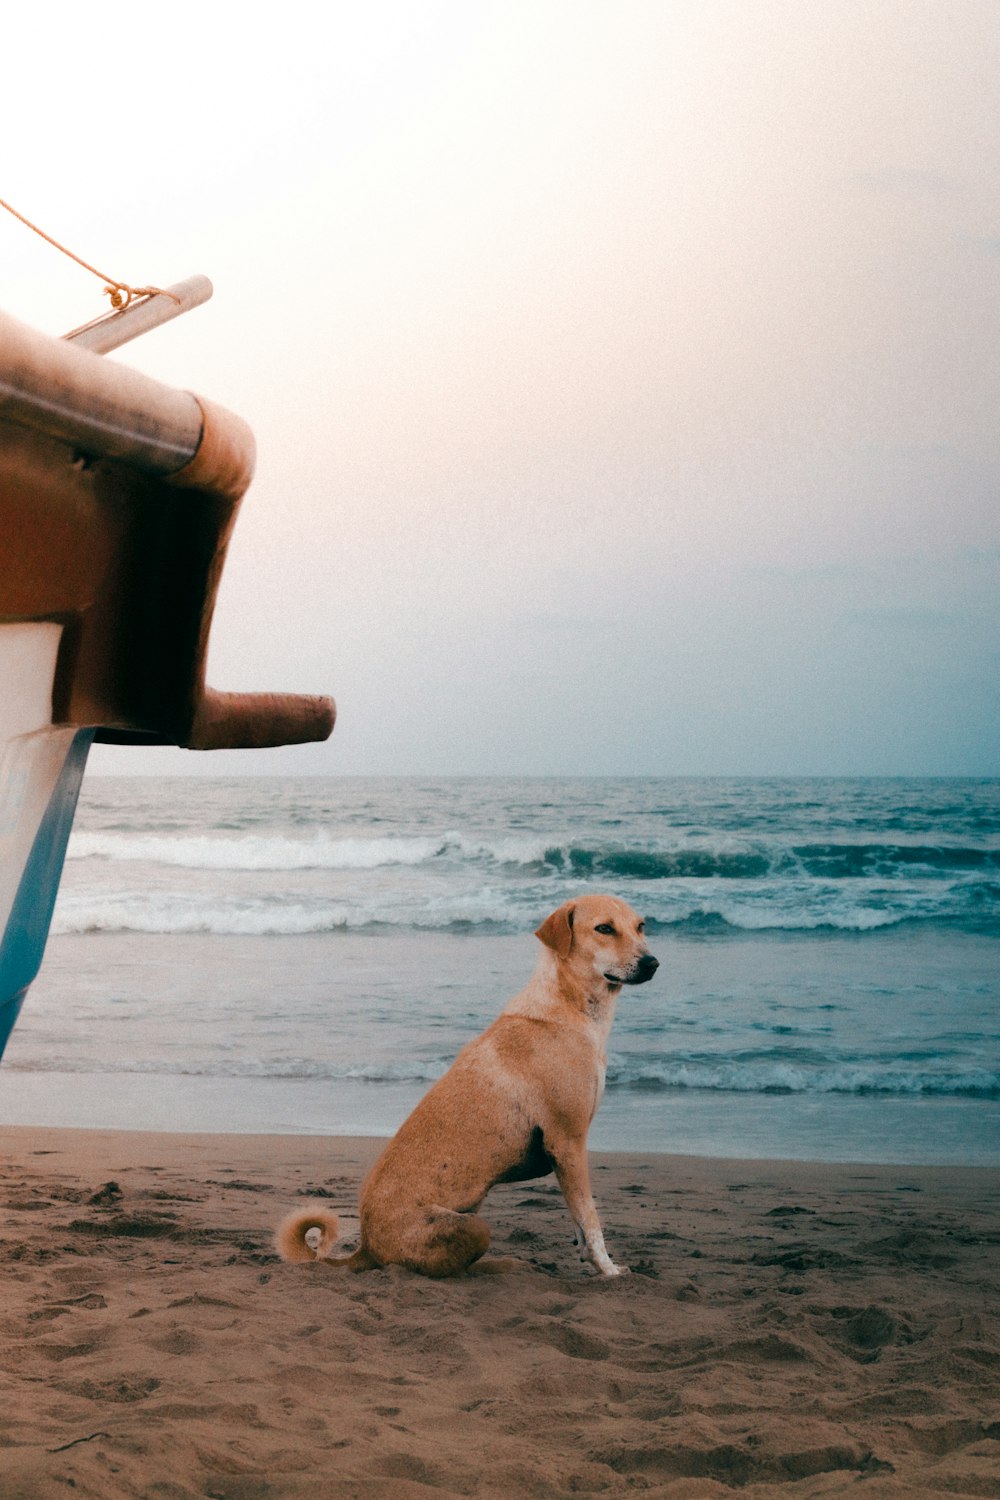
x=600 y=936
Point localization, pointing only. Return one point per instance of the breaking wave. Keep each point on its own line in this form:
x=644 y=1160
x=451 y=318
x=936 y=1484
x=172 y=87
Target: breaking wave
x=725 y=859
x=488 y=910
x=254 y=852
x=767 y=1074
x=775 y=1074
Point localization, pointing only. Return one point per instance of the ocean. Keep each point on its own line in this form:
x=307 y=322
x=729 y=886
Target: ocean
x=307 y=955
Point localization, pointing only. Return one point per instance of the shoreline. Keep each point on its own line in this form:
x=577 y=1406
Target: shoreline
x=942 y=1132
x=343 y=1035
x=291 y=1147
x=793 y=1327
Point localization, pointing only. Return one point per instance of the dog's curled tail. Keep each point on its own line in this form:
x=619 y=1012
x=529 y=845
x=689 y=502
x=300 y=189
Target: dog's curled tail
x=307 y=1234
x=311 y=1233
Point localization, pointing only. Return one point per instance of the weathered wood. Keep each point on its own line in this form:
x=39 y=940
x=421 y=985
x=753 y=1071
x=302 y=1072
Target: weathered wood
x=103 y=408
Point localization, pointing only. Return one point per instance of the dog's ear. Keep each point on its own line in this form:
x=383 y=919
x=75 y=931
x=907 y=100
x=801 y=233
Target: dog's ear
x=557 y=930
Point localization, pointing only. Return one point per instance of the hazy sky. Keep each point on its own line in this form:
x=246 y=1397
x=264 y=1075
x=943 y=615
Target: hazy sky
x=624 y=375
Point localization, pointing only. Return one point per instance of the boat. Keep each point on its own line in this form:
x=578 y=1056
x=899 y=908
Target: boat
x=118 y=496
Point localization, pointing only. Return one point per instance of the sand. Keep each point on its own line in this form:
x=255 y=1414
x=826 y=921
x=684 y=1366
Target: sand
x=790 y=1329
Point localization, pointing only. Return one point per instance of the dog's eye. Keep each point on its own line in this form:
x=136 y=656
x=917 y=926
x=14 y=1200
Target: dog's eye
x=605 y=927
x=641 y=927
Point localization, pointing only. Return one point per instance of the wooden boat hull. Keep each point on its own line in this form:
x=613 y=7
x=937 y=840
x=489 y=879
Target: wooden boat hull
x=117 y=500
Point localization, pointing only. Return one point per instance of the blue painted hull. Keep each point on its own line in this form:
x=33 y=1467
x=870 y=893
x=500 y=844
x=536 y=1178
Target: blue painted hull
x=27 y=927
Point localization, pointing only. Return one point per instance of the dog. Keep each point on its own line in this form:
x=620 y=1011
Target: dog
x=516 y=1104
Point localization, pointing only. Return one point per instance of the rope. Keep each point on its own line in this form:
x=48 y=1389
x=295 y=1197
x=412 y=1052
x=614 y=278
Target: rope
x=120 y=292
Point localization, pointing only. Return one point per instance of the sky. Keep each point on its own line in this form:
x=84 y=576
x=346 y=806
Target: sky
x=624 y=375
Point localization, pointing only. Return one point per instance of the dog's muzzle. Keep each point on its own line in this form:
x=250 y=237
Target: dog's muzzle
x=644 y=968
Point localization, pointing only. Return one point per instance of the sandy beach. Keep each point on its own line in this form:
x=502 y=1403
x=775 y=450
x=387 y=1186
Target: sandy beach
x=794 y=1329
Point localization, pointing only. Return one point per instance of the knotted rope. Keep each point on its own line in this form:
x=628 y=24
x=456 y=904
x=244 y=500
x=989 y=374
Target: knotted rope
x=120 y=292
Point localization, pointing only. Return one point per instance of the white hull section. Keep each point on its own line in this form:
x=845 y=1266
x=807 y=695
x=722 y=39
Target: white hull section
x=41 y=765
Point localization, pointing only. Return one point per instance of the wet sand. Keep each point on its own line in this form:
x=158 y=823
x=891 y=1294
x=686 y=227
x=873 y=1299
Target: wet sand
x=788 y=1328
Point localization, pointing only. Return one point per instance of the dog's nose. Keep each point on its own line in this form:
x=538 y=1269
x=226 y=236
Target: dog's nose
x=646 y=967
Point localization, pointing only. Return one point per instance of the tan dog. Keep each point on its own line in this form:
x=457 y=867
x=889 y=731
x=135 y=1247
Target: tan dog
x=515 y=1104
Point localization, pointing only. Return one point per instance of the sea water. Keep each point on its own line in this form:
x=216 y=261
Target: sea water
x=309 y=954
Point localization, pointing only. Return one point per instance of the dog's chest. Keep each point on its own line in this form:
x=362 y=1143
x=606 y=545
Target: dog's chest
x=594 y=1074
x=599 y=1038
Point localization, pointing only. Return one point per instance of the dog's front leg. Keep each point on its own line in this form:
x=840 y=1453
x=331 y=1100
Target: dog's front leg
x=574 y=1179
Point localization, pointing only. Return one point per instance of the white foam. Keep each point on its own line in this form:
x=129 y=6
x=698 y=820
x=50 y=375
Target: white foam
x=253 y=852
x=777 y=1075
x=170 y=915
